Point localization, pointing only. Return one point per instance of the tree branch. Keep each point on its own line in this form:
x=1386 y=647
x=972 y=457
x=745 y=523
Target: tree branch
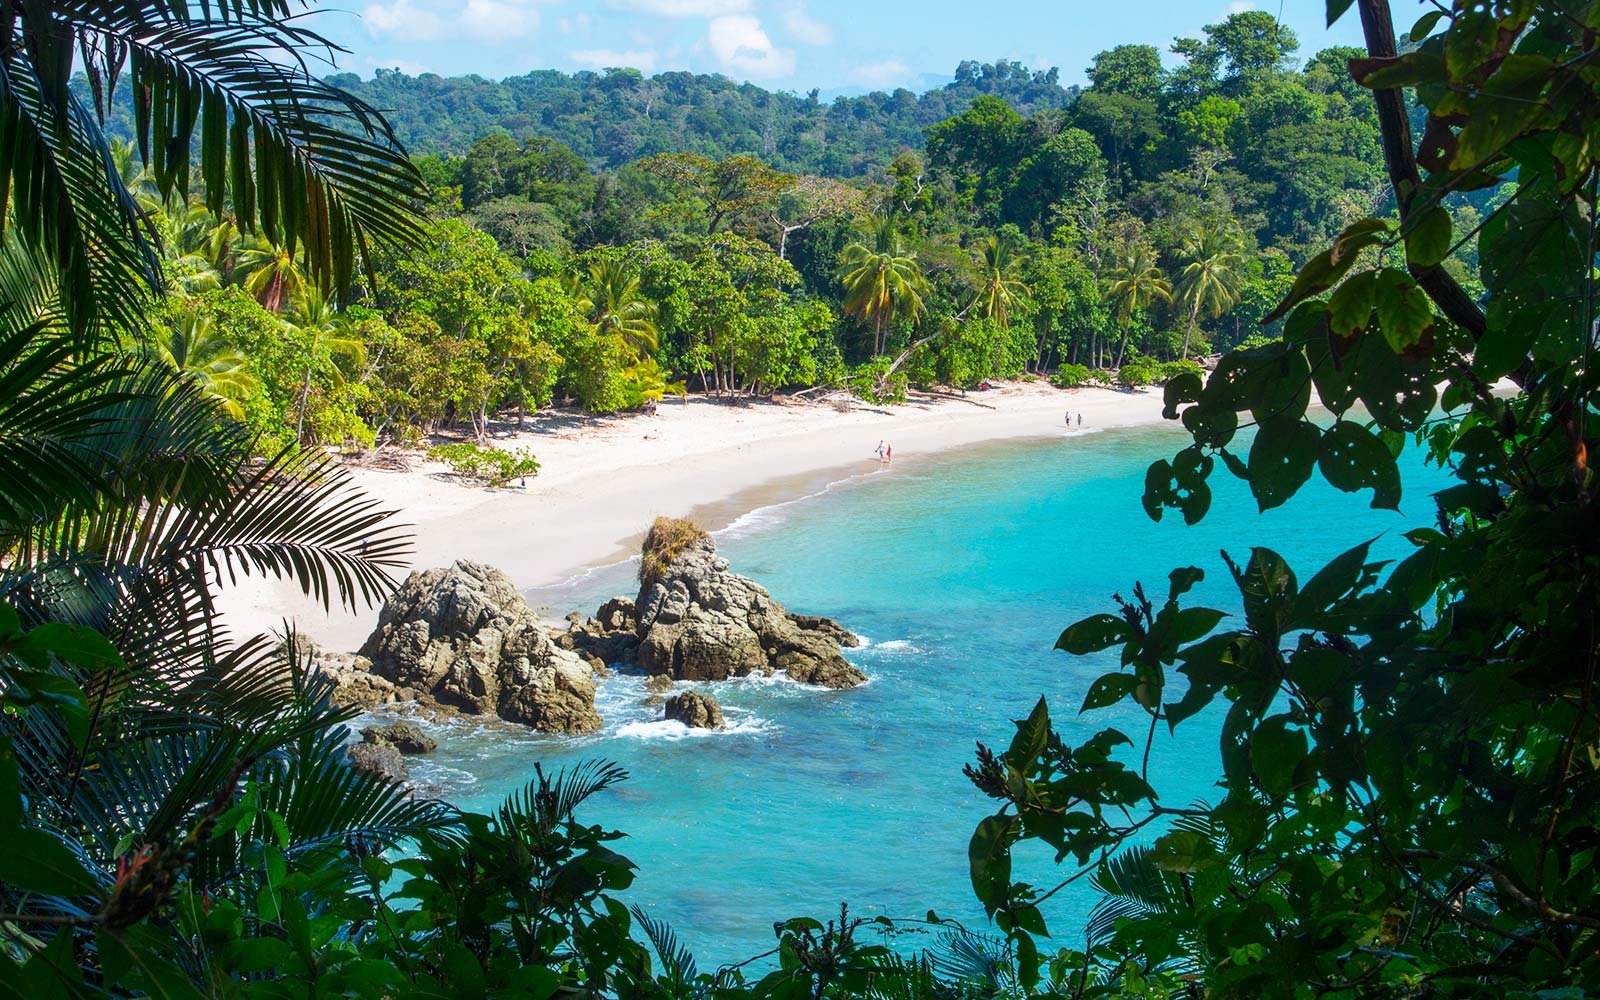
x=1399 y=156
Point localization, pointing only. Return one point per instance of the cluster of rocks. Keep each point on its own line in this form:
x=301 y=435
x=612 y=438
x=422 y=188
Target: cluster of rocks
x=383 y=749
x=462 y=639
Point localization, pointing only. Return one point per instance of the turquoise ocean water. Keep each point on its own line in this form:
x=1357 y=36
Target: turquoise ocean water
x=960 y=570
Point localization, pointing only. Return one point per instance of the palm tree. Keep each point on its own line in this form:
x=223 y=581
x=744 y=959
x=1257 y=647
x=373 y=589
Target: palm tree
x=1211 y=279
x=615 y=306
x=1134 y=285
x=999 y=292
x=234 y=106
x=196 y=347
x=271 y=274
x=326 y=332
x=882 y=282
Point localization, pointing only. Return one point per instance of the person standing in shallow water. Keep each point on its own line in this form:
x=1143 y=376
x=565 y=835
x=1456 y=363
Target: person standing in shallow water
x=879 y=452
x=888 y=454
x=1080 y=418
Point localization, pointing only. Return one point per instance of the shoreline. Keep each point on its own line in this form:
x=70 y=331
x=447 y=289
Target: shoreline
x=602 y=480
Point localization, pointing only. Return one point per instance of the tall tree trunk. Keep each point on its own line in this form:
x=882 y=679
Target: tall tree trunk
x=1189 y=332
x=305 y=393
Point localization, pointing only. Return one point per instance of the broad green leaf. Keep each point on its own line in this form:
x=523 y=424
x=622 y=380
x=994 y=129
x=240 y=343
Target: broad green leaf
x=1404 y=310
x=1108 y=689
x=1194 y=623
x=1269 y=589
x=1183 y=851
x=1428 y=237
x=1336 y=9
x=1093 y=634
x=1350 y=307
x=1281 y=459
x=1331 y=583
x=1275 y=752
x=1351 y=459
x=10 y=789
x=989 y=859
x=36 y=861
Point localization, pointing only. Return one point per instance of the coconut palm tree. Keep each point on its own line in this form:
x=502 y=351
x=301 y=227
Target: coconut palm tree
x=999 y=291
x=1211 y=279
x=271 y=273
x=326 y=334
x=1134 y=285
x=615 y=306
x=232 y=104
x=198 y=348
x=883 y=282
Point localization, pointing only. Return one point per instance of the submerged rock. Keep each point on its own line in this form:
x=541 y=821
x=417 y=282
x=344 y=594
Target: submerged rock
x=464 y=638
x=380 y=760
x=695 y=710
x=698 y=621
x=405 y=737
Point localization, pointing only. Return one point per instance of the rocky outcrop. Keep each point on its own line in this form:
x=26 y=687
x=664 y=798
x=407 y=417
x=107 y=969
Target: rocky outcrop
x=698 y=621
x=378 y=760
x=405 y=737
x=695 y=710
x=607 y=639
x=464 y=638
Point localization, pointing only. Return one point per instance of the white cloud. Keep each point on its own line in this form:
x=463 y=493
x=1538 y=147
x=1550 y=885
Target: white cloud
x=643 y=60
x=1240 y=6
x=743 y=46
x=683 y=8
x=881 y=75
x=806 y=28
x=403 y=21
x=431 y=21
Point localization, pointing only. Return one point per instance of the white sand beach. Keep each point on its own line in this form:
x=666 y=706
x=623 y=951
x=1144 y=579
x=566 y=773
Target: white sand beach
x=602 y=480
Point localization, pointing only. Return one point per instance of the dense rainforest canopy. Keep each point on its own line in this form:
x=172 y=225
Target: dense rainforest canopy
x=1409 y=786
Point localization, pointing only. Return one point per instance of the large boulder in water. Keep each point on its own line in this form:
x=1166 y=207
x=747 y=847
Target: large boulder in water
x=463 y=637
x=406 y=737
x=697 y=621
x=695 y=710
x=379 y=761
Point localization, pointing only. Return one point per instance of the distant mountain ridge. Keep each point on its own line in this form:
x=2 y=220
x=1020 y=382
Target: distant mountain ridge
x=614 y=117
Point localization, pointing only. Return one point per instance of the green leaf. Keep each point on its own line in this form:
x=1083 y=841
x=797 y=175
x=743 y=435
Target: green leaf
x=1330 y=583
x=1093 y=634
x=1425 y=24
x=1275 y=752
x=989 y=858
x=82 y=647
x=1404 y=311
x=1336 y=9
x=10 y=789
x=1194 y=623
x=1269 y=590
x=36 y=861
x=1185 y=387
x=1428 y=237
x=1281 y=459
x=1108 y=689
x=1350 y=308
x=1183 y=851
x=1353 y=459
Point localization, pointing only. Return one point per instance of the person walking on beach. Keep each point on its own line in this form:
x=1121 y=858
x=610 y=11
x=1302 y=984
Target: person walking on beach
x=888 y=454
x=1080 y=418
x=1069 y=418
x=879 y=452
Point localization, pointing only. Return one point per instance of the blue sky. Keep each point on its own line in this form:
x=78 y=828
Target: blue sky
x=833 y=45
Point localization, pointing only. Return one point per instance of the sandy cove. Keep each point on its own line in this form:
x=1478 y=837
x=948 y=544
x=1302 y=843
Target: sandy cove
x=602 y=480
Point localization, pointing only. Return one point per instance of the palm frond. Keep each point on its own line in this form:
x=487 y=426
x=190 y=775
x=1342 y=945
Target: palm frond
x=677 y=961
x=550 y=800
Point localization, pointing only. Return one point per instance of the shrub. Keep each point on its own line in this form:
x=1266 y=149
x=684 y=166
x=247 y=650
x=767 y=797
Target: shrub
x=493 y=466
x=1172 y=369
x=867 y=381
x=1139 y=371
x=1072 y=376
x=667 y=539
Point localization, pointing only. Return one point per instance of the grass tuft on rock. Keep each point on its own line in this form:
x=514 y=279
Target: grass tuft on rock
x=666 y=540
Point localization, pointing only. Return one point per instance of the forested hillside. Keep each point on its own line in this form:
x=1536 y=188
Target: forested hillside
x=607 y=239
x=617 y=116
